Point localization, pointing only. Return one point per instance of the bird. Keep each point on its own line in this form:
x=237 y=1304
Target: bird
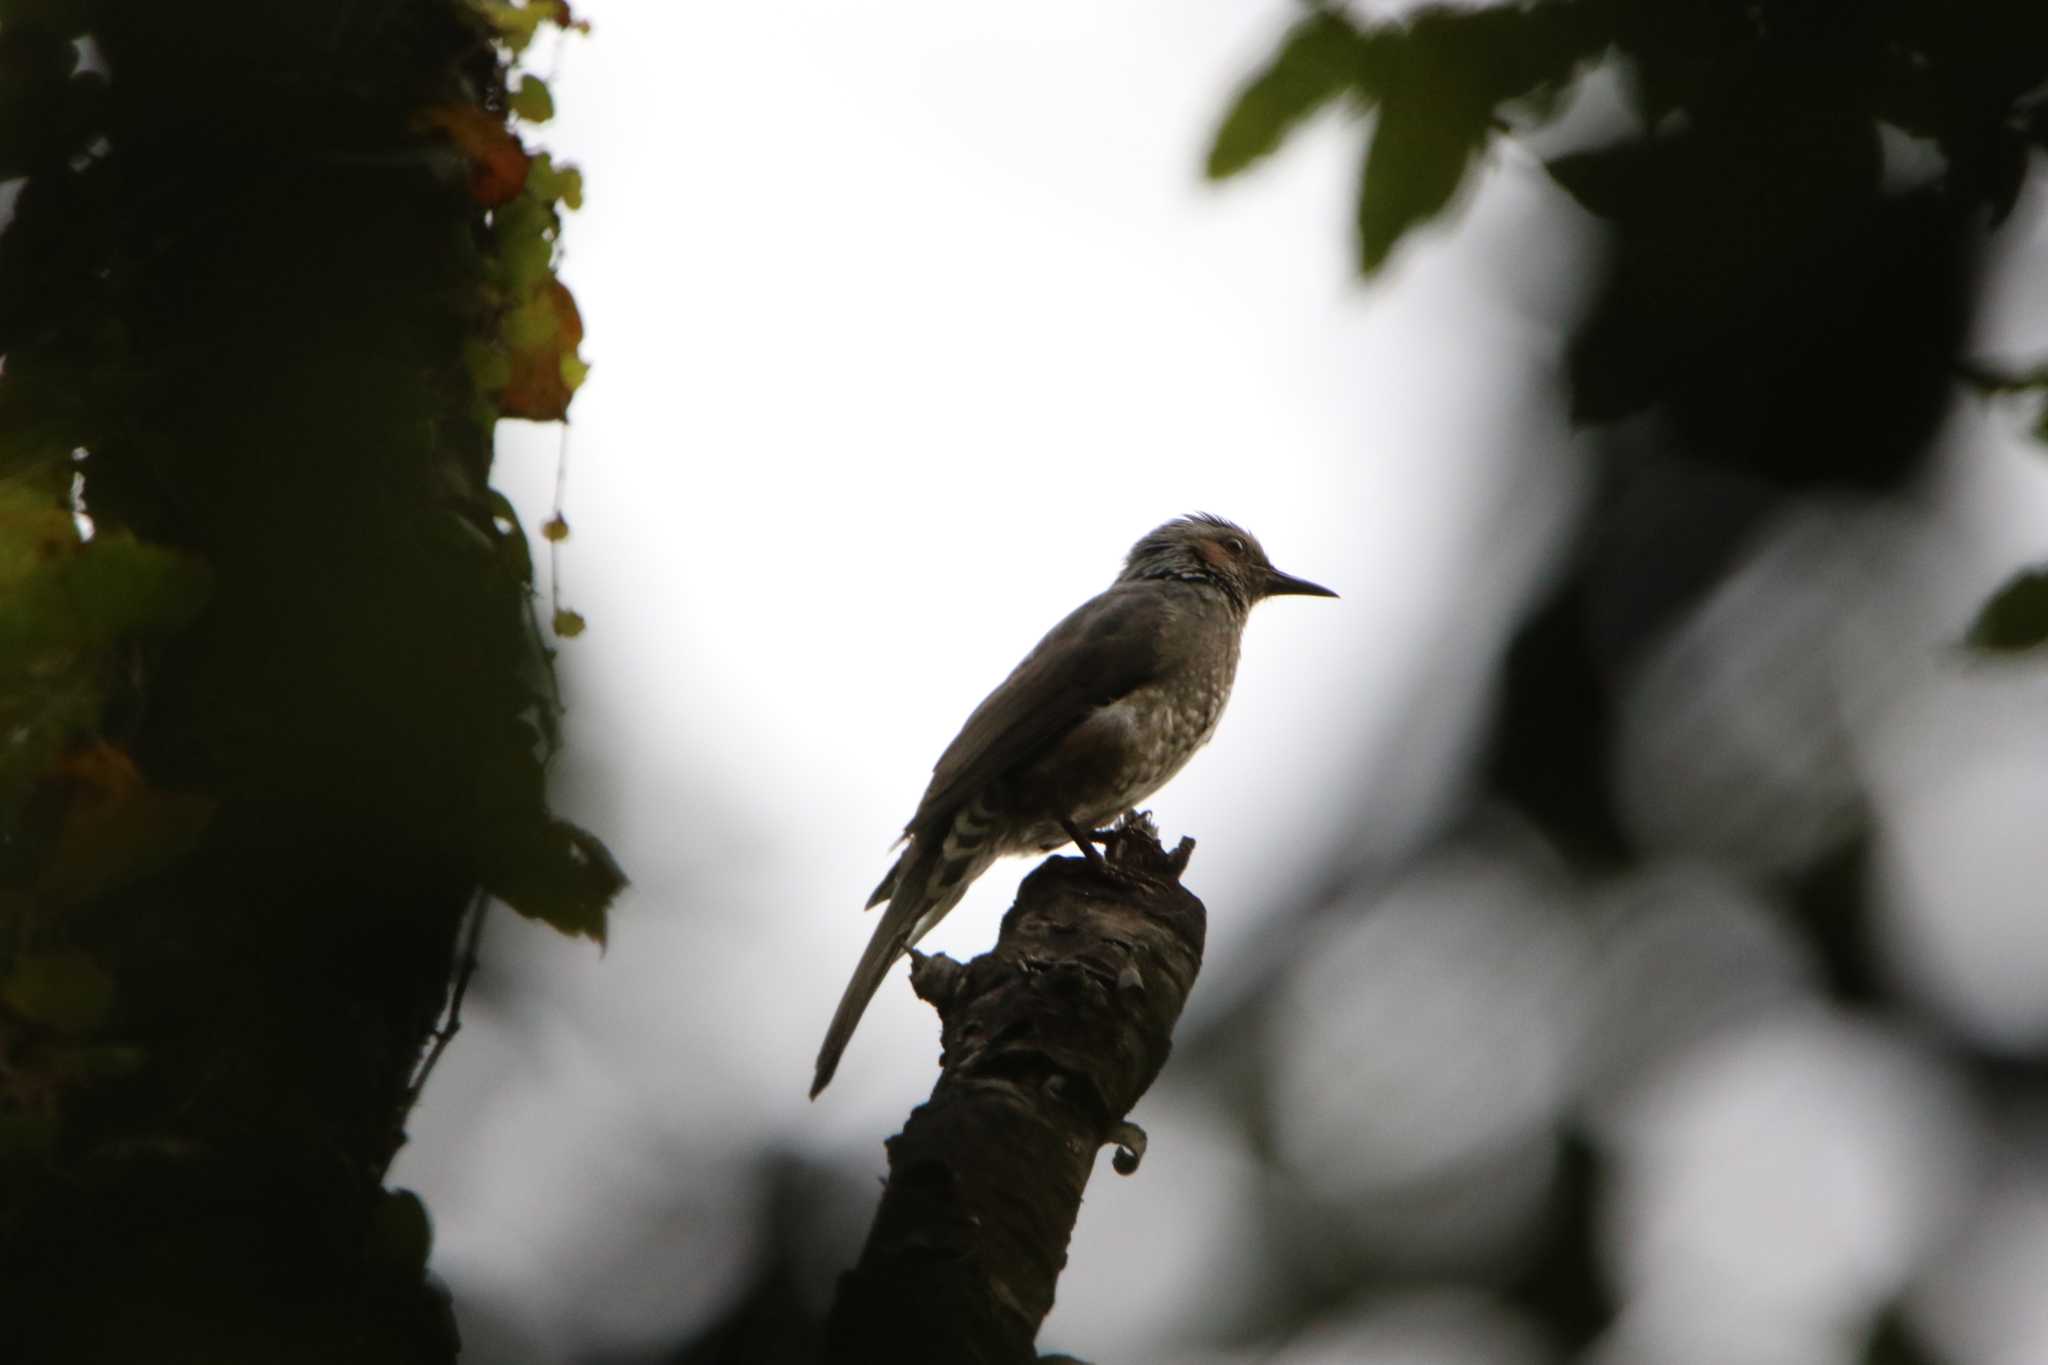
x=1099 y=715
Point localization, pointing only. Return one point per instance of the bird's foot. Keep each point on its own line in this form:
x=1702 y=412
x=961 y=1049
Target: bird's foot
x=1086 y=840
x=1139 y=820
x=1110 y=869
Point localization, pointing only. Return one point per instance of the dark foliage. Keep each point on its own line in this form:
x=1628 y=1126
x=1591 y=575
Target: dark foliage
x=280 y=711
x=1780 y=318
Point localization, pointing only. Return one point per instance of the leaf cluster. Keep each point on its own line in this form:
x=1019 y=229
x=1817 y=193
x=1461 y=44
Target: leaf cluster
x=1443 y=83
x=1771 y=263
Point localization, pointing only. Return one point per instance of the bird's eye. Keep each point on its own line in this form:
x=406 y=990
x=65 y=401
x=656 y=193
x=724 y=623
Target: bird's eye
x=1235 y=545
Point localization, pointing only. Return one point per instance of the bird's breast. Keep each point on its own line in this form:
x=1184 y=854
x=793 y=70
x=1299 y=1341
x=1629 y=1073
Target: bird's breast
x=1126 y=749
x=1120 y=755
x=1181 y=717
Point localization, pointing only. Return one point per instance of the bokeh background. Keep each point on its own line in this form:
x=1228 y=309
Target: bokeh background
x=1627 y=941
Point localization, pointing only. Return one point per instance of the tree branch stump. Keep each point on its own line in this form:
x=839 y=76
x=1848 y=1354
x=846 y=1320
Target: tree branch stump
x=1049 y=1040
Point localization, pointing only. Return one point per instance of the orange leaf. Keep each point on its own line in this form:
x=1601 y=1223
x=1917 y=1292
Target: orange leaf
x=497 y=163
x=114 y=827
x=538 y=390
x=101 y=777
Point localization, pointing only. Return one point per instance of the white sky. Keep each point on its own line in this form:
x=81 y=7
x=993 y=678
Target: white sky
x=904 y=325
x=905 y=322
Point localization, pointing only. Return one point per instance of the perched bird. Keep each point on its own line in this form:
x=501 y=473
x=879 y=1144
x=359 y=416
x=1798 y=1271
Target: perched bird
x=1107 y=707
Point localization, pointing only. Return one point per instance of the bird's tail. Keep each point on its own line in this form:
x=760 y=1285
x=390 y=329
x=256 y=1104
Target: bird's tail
x=917 y=900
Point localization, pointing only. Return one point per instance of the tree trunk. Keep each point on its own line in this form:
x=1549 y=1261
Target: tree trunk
x=272 y=719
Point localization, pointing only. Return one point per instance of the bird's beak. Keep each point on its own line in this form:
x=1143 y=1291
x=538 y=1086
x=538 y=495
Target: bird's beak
x=1287 y=585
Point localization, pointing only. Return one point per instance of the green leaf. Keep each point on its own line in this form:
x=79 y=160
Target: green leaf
x=117 y=584
x=528 y=261
x=1445 y=80
x=2016 y=617
x=490 y=369
x=1320 y=58
x=548 y=182
x=532 y=324
x=574 y=371
x=1452 y=80
x=531 y=100
x=34 y=530
x=65 y=990
x=516 y=23
x=65 y=594
x=525 y=229
x=64 y=605
x=568 y=624
x=1416 y=161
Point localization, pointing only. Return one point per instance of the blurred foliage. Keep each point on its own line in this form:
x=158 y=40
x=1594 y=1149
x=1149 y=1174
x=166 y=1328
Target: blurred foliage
x=2016 y=617
x=273 y=697
x=1704 y=79
x=1754 y=224
x=1443 y=83
x=1795 y=199
x=68 y=608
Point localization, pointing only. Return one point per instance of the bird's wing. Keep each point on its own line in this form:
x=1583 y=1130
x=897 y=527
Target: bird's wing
x=1106 y=647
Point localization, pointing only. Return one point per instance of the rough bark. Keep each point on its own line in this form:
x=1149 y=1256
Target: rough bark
x=1049 y=1040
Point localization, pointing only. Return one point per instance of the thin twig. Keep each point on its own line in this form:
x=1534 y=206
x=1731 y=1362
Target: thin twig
x=554 y=543
x=451 y=1023
x=1990 y=379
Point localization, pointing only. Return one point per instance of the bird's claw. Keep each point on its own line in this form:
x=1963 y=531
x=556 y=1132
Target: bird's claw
x=1086 y=840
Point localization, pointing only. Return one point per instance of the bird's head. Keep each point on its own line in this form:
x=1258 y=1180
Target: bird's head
x=1204 y=548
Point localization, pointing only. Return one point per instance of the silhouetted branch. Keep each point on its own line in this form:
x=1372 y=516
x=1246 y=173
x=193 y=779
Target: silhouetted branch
x=1049 y=1040
x=451 y=1018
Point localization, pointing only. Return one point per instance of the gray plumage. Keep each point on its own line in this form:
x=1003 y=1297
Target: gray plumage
x=1106 y=708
